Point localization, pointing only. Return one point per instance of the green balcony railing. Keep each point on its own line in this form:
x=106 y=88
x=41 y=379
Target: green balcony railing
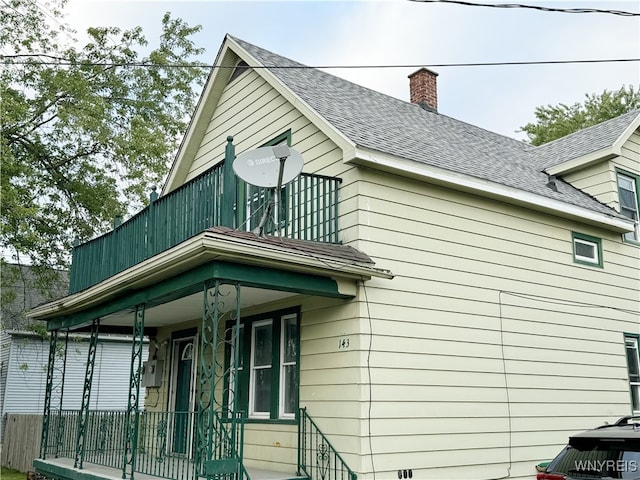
x=308 y=211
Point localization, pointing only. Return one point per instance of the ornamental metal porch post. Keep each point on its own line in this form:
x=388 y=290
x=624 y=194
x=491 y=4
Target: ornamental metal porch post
x=44 y=438
x=60 y=426
x=206 y=374
x=49 y=394
x=133 y=412
x=86 y=395
x=213 y=440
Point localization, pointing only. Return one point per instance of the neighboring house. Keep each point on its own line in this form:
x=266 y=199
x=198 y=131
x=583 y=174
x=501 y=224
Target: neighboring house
x=25 y=353
x=437 y=301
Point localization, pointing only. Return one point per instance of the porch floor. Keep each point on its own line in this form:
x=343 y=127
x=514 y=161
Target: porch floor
x=99 y=472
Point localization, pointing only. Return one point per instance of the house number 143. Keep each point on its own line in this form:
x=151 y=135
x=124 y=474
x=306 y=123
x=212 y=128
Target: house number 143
x=343 y=343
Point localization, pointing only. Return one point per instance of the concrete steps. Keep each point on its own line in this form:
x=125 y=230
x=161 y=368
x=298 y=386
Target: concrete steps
x=258 y=474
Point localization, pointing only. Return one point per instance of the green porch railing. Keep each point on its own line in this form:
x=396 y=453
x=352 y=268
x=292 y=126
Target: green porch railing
x=317 y=459
x=309 y=211
x=165 y=441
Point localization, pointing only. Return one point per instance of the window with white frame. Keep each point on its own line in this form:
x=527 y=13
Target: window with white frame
x=288 y=402
x=633 y=365
x=261 y=363
x=587 y=249
x=629 y=200
x=269 y=347
x=233 y=372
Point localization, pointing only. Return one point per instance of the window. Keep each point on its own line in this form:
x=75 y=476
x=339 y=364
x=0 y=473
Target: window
x=633 y=365
x=261 y=357
x=628 y=196
x=269 y=347
x=240 y=369
x=587 y=249
x=288 y=367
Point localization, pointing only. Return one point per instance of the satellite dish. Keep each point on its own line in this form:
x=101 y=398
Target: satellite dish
x=261 y=167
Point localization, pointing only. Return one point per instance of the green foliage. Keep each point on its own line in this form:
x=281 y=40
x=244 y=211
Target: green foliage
x=39 y=329
x=11 y=474
x=554 y=122
x=84 y=142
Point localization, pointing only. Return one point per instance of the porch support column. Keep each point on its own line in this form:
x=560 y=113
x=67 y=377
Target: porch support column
x=60 y=426
x=206 y=376
x=86 y=395
x=132 y=417
x=44 y=436
x=237 y=422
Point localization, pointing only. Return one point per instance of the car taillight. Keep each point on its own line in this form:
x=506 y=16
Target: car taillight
x=550 y=476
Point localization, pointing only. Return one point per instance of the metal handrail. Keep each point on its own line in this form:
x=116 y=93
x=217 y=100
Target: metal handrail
x=165 y=441
x=317 y=458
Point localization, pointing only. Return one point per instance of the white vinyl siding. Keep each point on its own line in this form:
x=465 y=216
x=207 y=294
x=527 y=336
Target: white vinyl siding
x=597 y=180
x=489 y=341
x=601 y=180
x=487 y=318
x=254 y=113
x=27 y=373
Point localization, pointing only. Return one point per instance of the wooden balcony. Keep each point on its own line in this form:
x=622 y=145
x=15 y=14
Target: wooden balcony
x=308 y=211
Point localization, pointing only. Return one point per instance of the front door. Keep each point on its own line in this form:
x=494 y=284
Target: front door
x=183 y=422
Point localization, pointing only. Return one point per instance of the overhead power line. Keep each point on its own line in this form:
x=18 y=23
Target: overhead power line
x=534 y=7
x=24 y=59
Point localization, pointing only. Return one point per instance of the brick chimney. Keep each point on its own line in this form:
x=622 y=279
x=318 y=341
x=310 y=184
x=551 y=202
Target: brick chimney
x=423 y=89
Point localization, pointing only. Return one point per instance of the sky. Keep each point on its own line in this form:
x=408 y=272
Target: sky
x=401 y=32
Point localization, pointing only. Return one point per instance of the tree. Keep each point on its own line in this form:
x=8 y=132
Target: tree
x=86 y=130
x=557 y=121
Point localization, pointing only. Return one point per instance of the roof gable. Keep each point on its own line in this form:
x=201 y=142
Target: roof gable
x=357 y=117
x=395 y=127
x=591 y=144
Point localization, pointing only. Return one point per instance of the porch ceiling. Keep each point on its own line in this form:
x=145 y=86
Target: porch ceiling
x=190 y=307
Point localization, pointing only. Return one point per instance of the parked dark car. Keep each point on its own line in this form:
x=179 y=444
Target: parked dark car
x=609 y=452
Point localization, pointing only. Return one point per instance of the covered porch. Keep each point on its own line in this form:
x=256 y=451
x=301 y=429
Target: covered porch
x=207 y=304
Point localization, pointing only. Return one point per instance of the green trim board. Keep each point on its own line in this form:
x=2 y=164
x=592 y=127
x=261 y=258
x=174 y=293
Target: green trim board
x=190 y=282
x=587 y=250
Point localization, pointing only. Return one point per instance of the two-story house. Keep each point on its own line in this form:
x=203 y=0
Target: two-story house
x=433 y=301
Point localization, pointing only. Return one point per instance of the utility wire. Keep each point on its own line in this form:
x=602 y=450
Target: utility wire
x=24 y=59
x=534 y=7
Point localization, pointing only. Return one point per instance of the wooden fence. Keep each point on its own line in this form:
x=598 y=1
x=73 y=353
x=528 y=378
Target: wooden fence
x=21 y=441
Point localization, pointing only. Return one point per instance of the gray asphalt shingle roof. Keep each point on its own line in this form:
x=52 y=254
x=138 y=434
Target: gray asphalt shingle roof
x=380 y=122
x=582 y=142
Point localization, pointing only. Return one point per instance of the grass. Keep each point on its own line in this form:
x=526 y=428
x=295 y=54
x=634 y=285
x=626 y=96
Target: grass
x=11 y=474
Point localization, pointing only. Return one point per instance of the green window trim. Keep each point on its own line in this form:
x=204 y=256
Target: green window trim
x=632 y=350
x=630 y=208
x=587 y=250
x=276 y=319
